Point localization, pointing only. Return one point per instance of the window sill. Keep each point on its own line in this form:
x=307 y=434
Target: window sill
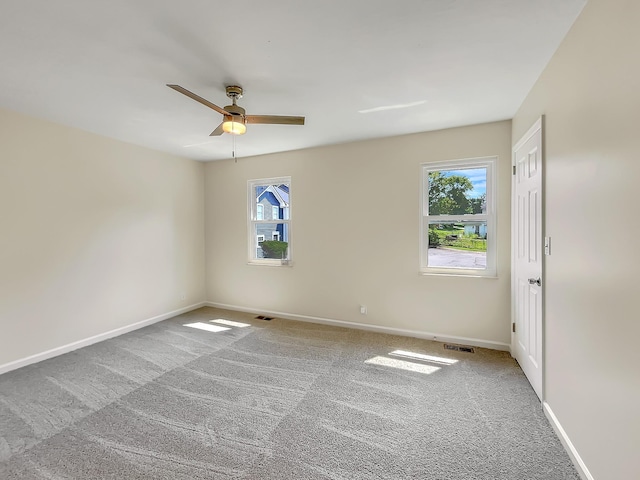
x=460 y=274
x=268 y=263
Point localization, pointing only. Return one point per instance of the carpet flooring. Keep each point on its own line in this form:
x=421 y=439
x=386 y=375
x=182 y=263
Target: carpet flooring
x=214 y=394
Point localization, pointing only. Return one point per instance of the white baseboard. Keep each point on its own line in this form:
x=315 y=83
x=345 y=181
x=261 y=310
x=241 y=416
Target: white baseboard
x=54 y=352
x=374 y=328
x=582 y=469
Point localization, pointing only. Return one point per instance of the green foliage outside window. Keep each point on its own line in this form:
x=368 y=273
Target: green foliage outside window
x=274 y=249
x=449 y=195
x=434 y=238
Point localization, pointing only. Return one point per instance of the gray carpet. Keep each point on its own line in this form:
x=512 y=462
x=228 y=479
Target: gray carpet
x=273 y=400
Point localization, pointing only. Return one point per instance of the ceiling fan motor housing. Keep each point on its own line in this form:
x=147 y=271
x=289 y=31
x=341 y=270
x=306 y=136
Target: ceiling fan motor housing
x=235 y=110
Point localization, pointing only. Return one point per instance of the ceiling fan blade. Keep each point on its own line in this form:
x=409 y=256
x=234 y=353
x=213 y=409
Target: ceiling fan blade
x=217 y=131
x=198 y=99
x=274 y=119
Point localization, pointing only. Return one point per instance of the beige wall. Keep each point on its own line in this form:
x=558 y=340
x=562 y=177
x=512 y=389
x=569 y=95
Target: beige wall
x=355 y=211
x=95 y=235
x=590 y=96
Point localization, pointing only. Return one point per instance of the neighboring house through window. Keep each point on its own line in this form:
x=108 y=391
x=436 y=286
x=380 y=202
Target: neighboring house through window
x=458 y=233
x=271 y=195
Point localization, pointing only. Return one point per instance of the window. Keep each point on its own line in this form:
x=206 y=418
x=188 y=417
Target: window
x=458 y=218
x=273 y=194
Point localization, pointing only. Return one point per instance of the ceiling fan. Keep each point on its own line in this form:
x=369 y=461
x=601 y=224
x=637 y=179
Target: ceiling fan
x=234 y=118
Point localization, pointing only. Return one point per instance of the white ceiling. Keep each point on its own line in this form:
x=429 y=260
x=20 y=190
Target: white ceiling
x=102 y=66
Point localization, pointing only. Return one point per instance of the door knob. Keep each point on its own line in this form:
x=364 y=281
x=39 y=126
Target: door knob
x=535 y=281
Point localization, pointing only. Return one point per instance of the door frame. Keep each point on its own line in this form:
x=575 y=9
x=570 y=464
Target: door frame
x=538 y=125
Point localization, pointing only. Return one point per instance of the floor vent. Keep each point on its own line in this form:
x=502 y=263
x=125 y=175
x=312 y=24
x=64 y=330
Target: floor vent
x=459 y=348
x=262 y=317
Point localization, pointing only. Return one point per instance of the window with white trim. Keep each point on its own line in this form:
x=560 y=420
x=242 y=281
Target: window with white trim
x=458 y=221
x=270 y=194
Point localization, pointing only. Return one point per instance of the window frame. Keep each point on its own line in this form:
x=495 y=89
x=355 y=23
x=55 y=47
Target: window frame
x=275 y=212
x=490 y=217
x=252 y=221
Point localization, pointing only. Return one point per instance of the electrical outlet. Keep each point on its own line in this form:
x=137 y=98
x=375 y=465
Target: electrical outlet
x=183 y=296
x=363 y=309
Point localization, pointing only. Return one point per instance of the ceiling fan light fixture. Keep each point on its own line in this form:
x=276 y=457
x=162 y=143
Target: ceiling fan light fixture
x=234 y=125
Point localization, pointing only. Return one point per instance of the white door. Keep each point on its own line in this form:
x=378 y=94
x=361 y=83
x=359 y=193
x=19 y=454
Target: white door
x=527 y=256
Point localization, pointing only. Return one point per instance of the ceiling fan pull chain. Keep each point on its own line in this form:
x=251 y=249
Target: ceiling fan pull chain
x=235 y=159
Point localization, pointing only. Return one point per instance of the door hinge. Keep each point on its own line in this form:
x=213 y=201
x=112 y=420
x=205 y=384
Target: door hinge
x=513 y=327
x=514 y=169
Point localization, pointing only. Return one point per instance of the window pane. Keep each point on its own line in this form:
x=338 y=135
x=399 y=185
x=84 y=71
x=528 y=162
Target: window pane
x=457 y=192
x=271 y=199
x=276 y=240
x=457 y=245
x=269 y=221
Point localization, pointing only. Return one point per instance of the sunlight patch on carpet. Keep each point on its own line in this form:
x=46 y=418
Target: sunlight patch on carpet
x=426 y=358
x=402 y=364
x=207 y=327
x=231 y=323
